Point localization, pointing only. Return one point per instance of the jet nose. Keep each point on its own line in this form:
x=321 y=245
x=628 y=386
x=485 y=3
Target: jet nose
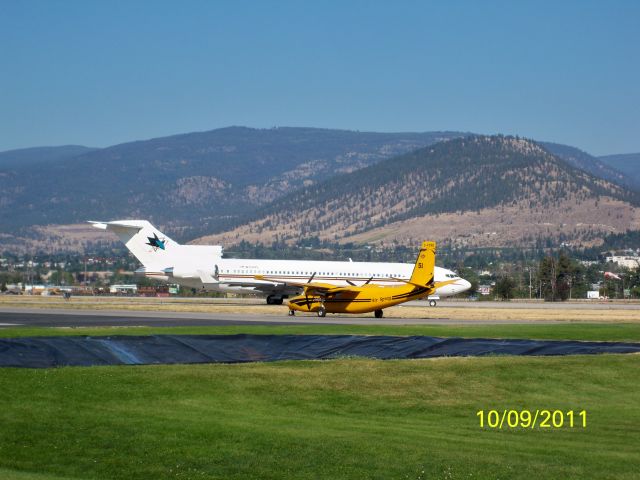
x=465 y=285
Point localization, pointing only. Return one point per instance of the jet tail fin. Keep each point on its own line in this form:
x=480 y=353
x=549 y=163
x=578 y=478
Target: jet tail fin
x=423 y=271
x=150 y=246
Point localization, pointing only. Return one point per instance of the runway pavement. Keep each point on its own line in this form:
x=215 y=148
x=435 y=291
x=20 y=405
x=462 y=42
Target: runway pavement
x=114 y=318
x=536 y=305
x=11 y=316
x=35 y=317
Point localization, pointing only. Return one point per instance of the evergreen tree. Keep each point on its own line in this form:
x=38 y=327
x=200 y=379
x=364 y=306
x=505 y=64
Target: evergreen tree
x=505 y=287
x=564 y=277
x=547 y=278
x=555 y=277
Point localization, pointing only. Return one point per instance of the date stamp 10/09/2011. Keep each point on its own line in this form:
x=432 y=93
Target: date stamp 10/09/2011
x=540 y=418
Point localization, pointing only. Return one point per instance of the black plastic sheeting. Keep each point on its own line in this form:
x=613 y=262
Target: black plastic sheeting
x=43 y=352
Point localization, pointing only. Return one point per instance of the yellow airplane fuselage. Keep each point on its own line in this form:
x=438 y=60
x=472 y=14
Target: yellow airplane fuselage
x=364 y=299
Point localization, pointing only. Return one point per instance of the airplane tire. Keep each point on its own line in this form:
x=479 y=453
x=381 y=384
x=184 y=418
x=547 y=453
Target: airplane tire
x=291 y=313
x=432 y=303
x=273 y=300
x=322 y=312
x=378 y=313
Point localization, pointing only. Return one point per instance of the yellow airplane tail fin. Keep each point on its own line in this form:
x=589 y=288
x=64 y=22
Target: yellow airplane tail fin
x=423 y=272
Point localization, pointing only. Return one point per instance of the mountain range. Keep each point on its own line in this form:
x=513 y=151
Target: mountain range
x=471 y=191
x=192 y=183
x=30 y=157
x=628 y=164
x=226 y=180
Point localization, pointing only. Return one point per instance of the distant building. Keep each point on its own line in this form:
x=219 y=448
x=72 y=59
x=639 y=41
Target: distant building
x=123 y=289
x=588 y=263
x=626 y=261
x=34 y=289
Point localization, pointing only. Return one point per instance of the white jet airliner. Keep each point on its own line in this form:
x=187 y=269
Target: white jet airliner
x=202 y=267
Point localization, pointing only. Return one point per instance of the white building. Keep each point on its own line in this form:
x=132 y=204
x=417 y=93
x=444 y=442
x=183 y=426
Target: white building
x=630 y=262
x=123 y=289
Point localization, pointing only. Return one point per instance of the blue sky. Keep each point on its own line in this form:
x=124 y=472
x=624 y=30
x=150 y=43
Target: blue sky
x=98 y=73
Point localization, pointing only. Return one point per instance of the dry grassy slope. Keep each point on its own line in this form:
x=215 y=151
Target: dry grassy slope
x=513 y=225
x=57 y=238
x=502 y=192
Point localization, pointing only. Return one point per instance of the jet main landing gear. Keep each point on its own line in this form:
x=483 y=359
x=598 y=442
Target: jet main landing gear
x=378 y=313
x=274 y=300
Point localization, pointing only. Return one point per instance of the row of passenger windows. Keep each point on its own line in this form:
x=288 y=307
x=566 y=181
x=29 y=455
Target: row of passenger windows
x=288 y=272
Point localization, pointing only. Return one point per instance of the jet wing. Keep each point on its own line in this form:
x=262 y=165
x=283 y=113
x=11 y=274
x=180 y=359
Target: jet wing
x=436 y=285
x=317 y=286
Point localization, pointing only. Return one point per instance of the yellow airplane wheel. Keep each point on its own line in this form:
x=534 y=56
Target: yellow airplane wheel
x=378 y=313
x=322 y=312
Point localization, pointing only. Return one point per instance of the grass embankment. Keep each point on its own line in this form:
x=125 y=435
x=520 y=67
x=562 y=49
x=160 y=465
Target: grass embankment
x=333 y=419
x=618 y=332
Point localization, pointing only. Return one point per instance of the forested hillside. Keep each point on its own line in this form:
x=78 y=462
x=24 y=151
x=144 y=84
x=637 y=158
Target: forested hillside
x=297 y=183
x=30 y=157
x=628 y=164
x=593 y=165
x=472 y=188
x=191 y=183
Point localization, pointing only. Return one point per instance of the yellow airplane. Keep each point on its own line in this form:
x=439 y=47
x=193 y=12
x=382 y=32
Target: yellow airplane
x=324 y=298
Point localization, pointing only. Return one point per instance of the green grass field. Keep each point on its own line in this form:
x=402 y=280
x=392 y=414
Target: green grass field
x=627 y=332
x=347 y=418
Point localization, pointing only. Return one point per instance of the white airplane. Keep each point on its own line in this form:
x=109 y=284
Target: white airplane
x=202 y=267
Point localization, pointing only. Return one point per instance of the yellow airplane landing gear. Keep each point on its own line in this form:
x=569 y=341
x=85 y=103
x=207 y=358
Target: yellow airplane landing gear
x=378 y=313
x=322 y=312
x=292 y=313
